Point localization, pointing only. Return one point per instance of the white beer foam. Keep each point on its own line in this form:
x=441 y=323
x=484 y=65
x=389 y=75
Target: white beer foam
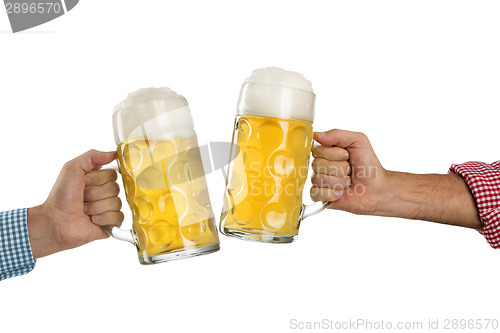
x=152 y=113
x=280 y=77
x=275 y=92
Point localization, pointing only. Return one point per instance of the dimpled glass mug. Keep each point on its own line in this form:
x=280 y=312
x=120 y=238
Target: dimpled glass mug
x=162 y=171
x=269 y=158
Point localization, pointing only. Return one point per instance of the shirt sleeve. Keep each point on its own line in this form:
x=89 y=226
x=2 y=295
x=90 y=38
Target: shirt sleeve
x=16 y=257
x=483 y=180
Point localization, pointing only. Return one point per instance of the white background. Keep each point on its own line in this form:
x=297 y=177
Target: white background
x=420 y=78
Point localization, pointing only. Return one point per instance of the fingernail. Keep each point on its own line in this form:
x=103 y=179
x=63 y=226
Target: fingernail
x=85 y=207
x=87 y=181
x=96 y=218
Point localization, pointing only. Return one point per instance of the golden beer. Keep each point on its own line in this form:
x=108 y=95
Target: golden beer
x=263 y=197
x=167 y=193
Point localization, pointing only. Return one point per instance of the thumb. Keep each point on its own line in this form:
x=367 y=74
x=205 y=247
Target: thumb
x=89 y=160
x=340 y=138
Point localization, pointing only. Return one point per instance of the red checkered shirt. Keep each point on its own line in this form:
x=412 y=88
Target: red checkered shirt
x=483 y=180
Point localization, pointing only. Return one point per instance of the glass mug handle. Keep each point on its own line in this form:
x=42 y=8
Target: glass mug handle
x=315 y=208
x=115 y=232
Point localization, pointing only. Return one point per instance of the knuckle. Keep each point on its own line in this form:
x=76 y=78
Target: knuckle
x=314 y=179
x=319 y=151
x=321 y=180
x=329 y=166
x=89 y=193
x=88 y=154
x=332 y=154
x=113 y=188
x=314 y=193
x=69 y=164
x=362 y=136
x=117 y=188
x=109 y=174
x=314 y=152
x=324 y=166
x=117 y=203
x=333 y=194
x=114 y=217
x=90 y=210
x=314 y=164
x=345 y=166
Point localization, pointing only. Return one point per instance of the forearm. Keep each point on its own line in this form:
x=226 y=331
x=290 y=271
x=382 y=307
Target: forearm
x=432 y=197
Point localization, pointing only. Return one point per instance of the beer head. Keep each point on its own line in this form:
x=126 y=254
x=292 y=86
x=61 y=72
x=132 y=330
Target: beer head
x=275 y=92
x=152 y=113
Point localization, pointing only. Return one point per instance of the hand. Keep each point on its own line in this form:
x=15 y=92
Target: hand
x=347 y=172
x=82 y=200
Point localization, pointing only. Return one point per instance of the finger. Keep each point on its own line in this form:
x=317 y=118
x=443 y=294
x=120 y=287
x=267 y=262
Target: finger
x=331 y=153
x=341 y=138
x=108 y=218
x=336 y=183
x=332 y=168
x=99 y=192
x=102 y=206
x=98 y=233
x=100 y=177
x=89 y=160
x=325 y=194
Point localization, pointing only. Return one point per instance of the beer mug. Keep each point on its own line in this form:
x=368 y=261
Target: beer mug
x=163 y=177
x=269 y=159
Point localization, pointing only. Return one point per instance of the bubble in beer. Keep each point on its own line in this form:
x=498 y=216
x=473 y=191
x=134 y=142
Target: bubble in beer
x=281 y=163
x=270 y=135
x=132 y=156
x=273 y=216
x=299 y=140
x=193 y=227
x=142 y=209
x=244 y=212
x=152 y=178
x=244 y=128
x=174 y=202
x=165 y=150
x=162 y=233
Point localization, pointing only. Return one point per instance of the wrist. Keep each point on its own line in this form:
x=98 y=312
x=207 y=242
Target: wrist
x=43 y=237
x=390 y=199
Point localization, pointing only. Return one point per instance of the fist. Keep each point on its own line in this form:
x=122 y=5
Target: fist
x=346 y=172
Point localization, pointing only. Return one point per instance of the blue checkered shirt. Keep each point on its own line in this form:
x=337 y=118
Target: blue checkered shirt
x=15 y=250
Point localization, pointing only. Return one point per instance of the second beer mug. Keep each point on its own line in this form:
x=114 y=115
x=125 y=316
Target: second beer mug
x=162 y=172
x=272 y=141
